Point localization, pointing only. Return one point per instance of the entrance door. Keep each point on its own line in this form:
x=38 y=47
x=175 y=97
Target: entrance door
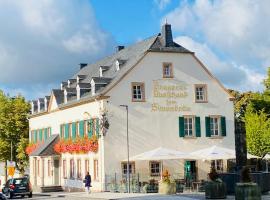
x=190 y=172
x=35 y=171
x=56 y=171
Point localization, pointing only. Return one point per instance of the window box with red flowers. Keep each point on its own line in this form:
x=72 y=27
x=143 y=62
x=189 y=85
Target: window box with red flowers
x=31 y=147
x=79 y=145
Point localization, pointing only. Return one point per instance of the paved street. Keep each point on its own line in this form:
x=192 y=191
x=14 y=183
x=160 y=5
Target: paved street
x=124 y=196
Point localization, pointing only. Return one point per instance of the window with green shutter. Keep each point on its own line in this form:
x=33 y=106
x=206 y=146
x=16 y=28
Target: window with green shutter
x=35 y=136
x=73 y=130
x=61 y=131
x=40 y=135
x=90 y=130
x=66 y=131
x=207 y=127
x=198 y=126
x=181 y=127
x=81 y=128
x=97 y=126
x=45 y=133
x=223 y=125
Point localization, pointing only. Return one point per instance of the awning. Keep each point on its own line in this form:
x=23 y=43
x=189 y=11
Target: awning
x=46 y=149
x=215 y=153
x=160 y=153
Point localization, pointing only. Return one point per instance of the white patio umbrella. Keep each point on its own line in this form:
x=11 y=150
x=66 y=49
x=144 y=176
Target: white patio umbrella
x=216 y=152
x=160 y=153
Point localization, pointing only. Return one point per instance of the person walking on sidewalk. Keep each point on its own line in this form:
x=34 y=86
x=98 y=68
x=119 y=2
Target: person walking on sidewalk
x=87 y=182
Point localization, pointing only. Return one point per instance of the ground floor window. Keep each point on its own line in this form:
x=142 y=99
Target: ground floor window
x=131 y=168
x=154 y=168
x=64 y=168
x=86 y=166
x=96 y=170
x=38 y=165
x=49 y=167
x=72 y=169
x=79 y=169
x=217 y=164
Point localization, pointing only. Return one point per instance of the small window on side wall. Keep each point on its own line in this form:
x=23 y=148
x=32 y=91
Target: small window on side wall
x=167 y=70
x=201 y=93
x=138 y=92
x=155 y=168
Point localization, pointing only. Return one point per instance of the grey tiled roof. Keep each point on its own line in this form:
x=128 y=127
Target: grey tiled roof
x=59 y=95
x=84 y=85
x=126 y=57
x=101 y=80
x=46 y=149
x=71 y=90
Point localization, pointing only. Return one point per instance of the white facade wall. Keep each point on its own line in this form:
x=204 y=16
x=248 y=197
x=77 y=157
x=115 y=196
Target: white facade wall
x=149 y=130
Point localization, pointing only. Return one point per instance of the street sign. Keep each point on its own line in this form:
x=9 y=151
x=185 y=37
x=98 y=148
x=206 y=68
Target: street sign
x=11 y=168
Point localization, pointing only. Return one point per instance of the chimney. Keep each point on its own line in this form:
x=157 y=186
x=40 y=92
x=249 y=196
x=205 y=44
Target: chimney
x=82 y=65
x=166 y=35
x=119 y=48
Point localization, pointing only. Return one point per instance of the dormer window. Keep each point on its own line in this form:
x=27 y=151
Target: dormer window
x=78 y=89
x=117 y=65
x=167 y=70
x=100 y=72
x=93 y=87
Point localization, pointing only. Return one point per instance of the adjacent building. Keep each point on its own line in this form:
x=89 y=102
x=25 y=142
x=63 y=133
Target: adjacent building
x=173 y=102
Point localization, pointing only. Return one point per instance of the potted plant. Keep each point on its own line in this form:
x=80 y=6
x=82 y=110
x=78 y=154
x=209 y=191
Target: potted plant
x=215 y=188
x=151 y=187
x=166 y=186
x=247 y=189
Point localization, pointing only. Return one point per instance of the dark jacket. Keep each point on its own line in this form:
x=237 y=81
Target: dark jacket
x=87 y=181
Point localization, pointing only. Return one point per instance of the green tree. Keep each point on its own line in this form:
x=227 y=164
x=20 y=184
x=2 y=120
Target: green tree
x=13 y=128
x=22 y=157
x=257 y=131
x=266 y=83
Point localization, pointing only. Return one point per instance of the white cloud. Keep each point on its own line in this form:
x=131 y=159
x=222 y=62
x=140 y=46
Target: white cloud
x=42 y=42
x=237 y=31
x=162 y=3
x=229 y=73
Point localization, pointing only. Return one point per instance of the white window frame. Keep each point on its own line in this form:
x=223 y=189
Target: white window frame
x=131 y=168
x=200 y=95
x=217 y=164
x=154 y=170
x=167 y=70
x=188 y=129
x=138 y=91
x=215 y=126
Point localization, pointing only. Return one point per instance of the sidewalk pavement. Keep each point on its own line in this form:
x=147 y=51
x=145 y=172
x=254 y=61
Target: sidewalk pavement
x=134 y=196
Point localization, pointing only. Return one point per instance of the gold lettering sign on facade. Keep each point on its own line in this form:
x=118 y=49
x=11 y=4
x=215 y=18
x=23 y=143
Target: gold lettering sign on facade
x=170 y=94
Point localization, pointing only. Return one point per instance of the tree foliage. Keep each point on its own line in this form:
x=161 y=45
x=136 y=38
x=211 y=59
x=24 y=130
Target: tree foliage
x=257 y=131
x=266 y=83
x=13 y=128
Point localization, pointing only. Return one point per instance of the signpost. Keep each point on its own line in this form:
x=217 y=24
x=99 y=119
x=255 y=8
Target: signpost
x=11 y=168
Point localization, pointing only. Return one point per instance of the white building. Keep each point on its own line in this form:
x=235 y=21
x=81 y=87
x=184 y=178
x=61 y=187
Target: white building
x=173 y=102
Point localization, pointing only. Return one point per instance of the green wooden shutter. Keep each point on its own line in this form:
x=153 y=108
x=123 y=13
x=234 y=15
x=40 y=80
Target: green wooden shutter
x=40 y=135
x=90 y=131
x=181 y=127
x=223 y=126
x=66 y=131
x=61 y=129
x=35 y=136
x=45 y=133
x=73 y=130
x=198 y=126
x=207 y=127
x=81 y=128
x=50 y=132
x=97 y=127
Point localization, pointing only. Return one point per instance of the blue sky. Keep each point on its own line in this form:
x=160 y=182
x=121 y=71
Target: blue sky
x=44 y=41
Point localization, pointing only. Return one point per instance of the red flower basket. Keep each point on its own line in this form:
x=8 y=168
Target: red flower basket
x=80 y=145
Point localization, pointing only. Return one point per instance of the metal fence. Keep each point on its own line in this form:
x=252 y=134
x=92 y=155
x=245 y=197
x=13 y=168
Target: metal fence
x=139 y=182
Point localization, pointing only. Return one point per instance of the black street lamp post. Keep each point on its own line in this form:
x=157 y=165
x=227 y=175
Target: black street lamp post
x=128 y=172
